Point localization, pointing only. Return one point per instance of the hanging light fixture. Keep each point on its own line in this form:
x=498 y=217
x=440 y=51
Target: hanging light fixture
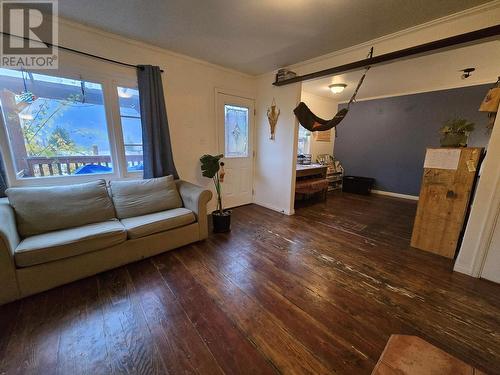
x=337 y=88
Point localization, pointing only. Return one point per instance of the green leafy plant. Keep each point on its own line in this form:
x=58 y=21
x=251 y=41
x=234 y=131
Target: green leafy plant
x=42 y=137
x=455 y=132
x=457 y=126
x=210 y=166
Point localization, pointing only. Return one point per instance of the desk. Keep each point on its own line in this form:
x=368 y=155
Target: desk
x=311 y=179
x=311 y=170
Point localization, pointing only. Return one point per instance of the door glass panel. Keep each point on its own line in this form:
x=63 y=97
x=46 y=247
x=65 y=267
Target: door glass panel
x=236 y=131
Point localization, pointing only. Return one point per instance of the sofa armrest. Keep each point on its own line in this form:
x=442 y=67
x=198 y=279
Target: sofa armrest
x=9 y=239
x=195 y=198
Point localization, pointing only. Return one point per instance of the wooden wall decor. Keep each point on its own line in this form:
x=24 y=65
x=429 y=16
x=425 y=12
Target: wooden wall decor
x=491 y=102
x=447 y=183
x=273 y=113
x=324 y=136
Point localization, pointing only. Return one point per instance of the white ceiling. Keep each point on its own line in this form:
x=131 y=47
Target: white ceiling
x=426 y=73
x=257 y=36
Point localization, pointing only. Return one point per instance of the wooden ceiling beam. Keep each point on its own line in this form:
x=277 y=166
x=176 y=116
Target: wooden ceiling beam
x=470 y=37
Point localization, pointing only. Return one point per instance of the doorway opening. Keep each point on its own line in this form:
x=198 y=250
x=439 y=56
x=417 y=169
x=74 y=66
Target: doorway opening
x=382 y=145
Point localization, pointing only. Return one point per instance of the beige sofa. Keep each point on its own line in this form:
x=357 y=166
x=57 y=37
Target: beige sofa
x=50 y=236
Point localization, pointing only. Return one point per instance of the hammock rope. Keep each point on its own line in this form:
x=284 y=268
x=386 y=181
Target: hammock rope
x=314 y=123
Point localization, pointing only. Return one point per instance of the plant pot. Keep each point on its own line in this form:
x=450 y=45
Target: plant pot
x=222 y=223
x=454 y=140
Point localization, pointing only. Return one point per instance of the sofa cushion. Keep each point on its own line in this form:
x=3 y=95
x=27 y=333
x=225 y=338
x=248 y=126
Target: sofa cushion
x=145 y=225
x=44 y=209
x=66 y=243
x=142 y=197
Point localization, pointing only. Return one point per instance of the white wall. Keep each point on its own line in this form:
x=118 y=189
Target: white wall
x=274 y=177
x=189 y=86
x=325 y=108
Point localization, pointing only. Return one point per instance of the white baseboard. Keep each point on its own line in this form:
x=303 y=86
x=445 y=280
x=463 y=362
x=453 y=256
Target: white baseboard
x=274 y=208
x=396 y=195
x=465 y=269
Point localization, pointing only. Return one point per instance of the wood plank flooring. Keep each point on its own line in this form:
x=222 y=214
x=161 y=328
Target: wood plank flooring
x=315 y=293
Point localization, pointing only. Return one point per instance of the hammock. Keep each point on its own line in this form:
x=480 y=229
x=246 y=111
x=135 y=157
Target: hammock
x=314 y=123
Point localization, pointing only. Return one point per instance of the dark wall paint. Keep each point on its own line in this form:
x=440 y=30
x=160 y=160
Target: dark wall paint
x=386 y=138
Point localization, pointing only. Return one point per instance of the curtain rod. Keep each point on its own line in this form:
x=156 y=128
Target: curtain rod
x=76 y=51
x=449 y=42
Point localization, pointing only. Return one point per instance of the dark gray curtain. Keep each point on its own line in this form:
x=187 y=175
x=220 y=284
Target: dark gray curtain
x=157 y=149
x=3 y=179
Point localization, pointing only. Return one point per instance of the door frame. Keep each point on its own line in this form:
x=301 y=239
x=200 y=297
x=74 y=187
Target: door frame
x=481 y=224
x=242 y=95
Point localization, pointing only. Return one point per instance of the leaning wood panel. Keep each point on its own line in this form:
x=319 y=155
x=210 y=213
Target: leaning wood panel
x=442 y=206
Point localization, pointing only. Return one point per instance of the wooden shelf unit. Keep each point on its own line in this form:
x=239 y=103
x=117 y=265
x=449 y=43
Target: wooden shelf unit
x=334 y=172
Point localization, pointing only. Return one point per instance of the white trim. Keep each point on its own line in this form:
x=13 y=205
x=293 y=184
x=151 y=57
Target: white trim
x=486 y=202
x=463 y=269
x=496 y=222
x=396 y=195
x=275 y=208
x=232 y=92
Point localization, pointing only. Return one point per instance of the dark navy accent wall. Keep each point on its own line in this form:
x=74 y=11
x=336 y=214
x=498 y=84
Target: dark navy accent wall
x=387 y=138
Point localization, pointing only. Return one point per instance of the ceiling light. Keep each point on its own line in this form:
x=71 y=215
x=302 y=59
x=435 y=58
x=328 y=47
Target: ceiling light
x=337 y=88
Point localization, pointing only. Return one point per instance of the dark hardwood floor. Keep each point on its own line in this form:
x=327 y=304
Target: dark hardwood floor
x=319 y=292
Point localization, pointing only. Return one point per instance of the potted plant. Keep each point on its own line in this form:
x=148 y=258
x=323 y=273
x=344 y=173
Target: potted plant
x=213 y=168
x=455 y=132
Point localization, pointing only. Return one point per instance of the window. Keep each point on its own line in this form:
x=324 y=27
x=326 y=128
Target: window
x=131 y=127
x=236 y=131
x=55 y=126
x=304 y=143
x=62 y=127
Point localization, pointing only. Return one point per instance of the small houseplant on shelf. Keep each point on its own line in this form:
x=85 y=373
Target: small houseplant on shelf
x=213 y=168
x=455 y=132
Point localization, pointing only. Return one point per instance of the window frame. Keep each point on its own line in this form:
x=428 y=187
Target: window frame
x=109 y=83
x=308 y=143
x=128 y=83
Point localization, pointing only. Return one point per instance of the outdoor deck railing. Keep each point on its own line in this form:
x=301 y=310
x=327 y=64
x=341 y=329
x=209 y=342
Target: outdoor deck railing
x=67 y=165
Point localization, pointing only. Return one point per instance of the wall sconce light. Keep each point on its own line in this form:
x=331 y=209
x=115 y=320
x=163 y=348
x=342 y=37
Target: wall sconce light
x=337 y=88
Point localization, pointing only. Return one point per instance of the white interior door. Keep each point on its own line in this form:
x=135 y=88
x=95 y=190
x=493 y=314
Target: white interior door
x=235 y=117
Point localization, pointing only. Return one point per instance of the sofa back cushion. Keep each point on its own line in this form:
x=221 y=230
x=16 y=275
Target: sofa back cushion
x=141 y=197
x=45 y=209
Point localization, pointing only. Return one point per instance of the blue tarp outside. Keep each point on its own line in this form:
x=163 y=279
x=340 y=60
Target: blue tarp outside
x=96 y=168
